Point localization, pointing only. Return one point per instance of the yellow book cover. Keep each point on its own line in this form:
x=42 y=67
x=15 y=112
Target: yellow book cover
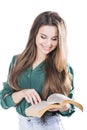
x=55 y=100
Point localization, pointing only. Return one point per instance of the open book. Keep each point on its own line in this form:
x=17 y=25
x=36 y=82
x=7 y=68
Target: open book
x=53 y=101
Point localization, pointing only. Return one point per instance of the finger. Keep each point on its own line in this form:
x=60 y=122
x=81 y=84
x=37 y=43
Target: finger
x=53 y=109
x=27 y=99
x=37 y=96
x=35 y=100
x=31 y=99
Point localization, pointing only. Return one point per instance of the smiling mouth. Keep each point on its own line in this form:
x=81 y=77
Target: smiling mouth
x=46 y=48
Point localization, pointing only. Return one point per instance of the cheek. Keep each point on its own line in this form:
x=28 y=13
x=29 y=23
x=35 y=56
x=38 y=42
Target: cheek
x=38 y=40
x=55 y=46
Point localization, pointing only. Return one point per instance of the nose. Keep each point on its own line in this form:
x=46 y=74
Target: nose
x=48 y=42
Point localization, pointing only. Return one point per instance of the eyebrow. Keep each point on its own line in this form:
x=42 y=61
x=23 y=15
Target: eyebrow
x=46 y=35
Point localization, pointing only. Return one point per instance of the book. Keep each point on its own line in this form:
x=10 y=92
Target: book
x=55 y=100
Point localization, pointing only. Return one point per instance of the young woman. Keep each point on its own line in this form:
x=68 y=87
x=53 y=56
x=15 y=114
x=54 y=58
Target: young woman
x=40 y=70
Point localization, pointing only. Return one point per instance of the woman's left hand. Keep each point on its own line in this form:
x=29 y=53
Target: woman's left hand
x=62 y=109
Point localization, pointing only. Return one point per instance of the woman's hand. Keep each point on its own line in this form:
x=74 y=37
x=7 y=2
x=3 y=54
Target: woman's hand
x=30 y=95
x=64 y=108
x=61 y=109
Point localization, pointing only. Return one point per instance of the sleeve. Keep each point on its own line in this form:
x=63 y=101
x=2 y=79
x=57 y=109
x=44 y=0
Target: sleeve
x=6 y=100
x=72 y=108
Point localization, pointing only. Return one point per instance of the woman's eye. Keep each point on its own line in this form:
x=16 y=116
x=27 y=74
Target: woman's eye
x=55 y=38
x=43 y=37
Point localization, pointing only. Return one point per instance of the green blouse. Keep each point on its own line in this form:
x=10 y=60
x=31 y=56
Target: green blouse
x=29 y=79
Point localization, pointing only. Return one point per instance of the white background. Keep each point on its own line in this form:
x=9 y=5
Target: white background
x=16 y=17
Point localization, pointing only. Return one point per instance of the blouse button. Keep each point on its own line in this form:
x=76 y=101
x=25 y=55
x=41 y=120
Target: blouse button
x=28 y=75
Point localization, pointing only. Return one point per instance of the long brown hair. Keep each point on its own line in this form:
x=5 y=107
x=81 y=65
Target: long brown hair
x=57 y=78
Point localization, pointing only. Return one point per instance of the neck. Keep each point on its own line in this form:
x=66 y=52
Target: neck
x=38 y=60
x=40 y=57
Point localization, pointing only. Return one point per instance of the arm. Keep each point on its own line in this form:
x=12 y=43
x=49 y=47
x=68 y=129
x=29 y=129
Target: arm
x=10 y=98
x=70 y=109
x=6 y=100
x=67 y=109
x=30 y=95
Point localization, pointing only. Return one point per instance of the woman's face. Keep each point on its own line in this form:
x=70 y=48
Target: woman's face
x=46 y=39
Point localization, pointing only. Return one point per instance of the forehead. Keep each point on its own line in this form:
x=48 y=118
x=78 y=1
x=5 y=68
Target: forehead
x=48 y=30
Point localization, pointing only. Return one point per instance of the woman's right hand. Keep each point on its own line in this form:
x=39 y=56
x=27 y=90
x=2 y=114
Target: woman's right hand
x=30 y=95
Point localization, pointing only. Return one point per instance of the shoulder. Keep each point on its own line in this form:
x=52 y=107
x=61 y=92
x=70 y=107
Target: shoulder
x=13 y=61
x=70 y=69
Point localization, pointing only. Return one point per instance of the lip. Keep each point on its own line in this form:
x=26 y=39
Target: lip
x=46 y=48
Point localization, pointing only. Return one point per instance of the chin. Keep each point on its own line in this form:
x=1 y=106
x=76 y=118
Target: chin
x=45 y=52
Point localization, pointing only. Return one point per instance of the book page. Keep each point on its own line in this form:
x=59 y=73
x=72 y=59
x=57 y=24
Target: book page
x=38 y=112
x=37 y=107
x=57 y=98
